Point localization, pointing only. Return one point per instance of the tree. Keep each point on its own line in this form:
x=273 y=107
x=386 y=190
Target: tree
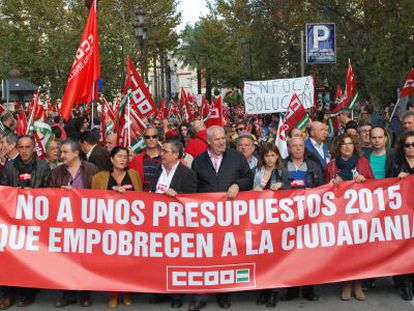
x=40 y=38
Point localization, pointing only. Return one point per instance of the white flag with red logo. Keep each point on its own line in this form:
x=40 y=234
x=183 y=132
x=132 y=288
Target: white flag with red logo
x=296 y=115
x=141 y=100
x=281 y=140
x=408 y=88
x=216 y=114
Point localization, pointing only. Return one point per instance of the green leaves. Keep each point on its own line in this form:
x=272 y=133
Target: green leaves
x=40 y=38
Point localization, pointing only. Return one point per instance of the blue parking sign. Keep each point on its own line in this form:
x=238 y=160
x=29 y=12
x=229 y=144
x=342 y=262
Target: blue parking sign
x=320 y=43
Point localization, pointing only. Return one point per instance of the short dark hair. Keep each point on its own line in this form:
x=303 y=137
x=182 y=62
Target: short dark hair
x=56 y=119
x=29 y=137
x=117 y=149
x=176 y=146
x=89 y=137
x=379 y=127
x=351 y=125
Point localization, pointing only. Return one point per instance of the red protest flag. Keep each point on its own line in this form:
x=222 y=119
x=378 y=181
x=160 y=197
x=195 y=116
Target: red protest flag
x=163 y=112
x=141 y=100
x=408 y=88
x=351 y=93
x=21 y=127
x=185 y=109
x=81 y=86
x=216 y=114
x=296 y=115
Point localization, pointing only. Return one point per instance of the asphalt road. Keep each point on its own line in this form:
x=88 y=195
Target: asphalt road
x=383 y=298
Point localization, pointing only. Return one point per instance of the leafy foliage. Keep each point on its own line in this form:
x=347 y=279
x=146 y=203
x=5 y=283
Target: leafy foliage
x=40 y=38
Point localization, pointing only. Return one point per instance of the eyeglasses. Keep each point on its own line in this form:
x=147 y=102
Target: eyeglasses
x=408 y=145
x=149 y=137
x=240 y=129
x=166 y=151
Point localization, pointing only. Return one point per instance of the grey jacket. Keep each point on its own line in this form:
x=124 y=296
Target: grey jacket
x=38 y=179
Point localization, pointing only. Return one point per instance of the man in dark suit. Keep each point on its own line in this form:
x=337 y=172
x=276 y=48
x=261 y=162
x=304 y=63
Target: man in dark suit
x=316 y=143
x=94 y=153
x=220 y=170
x=173 y=178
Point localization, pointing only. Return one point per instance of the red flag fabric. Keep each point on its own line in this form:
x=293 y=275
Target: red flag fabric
x=139 y=242
x=81 y=86
x=408 y=88
x=141 y=100
x=163 y=112
x=173 y=111
x=216 y=114
x=185 y=108
x=351 y=93
x=21 y=127
x=296 y=115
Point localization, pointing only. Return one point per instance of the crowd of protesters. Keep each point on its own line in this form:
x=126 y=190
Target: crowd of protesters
x=190 y=158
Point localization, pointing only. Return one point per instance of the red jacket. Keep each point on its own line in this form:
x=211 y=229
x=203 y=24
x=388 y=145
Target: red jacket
x=362 y=167
x=137 y=164
x=197 y=144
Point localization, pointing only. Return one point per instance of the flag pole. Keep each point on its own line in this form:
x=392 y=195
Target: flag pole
x=92 y=104
x=33 y=111
x=129 y=120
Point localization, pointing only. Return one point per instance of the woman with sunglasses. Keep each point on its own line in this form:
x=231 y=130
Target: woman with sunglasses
x=120 y=179
x=405 y=167
x=348 y=164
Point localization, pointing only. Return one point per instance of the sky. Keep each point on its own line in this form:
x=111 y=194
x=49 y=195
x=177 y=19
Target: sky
x=190 y=11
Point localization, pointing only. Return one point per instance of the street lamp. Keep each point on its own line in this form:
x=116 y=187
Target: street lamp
x=141 y=35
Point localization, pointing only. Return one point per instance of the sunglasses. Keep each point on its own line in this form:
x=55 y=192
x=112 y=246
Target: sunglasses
x=408 y=145
x=149 y=137
x=241 y=129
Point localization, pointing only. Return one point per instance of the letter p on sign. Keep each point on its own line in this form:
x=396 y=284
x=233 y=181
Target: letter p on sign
x=320 y=43
x=320 y=33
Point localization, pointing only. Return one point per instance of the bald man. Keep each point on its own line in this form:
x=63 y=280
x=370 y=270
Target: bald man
x=316 y=143
x=110 y=142
x=198 y=143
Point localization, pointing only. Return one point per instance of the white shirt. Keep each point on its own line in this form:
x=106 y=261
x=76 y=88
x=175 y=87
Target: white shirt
x=164 y=181
x=88 y=155
x=216 y=160
x=319 y=149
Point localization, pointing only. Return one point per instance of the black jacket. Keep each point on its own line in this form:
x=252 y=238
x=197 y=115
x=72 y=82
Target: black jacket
x=100 y=157
x=38 y=178
x=183 y=181
x=234 y=169
x=314 y=175
x=390 y=164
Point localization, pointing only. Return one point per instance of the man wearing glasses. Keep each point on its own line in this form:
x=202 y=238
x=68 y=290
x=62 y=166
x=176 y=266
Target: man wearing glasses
x=148 y=161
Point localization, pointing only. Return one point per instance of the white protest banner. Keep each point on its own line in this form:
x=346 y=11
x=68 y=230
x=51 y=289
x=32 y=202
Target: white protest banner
x=274 y=95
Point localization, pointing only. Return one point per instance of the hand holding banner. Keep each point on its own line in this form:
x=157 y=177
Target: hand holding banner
x=102 y=240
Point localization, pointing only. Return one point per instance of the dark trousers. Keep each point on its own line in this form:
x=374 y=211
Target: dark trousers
x=74 y=294
x=308 y=290
x=24 y=292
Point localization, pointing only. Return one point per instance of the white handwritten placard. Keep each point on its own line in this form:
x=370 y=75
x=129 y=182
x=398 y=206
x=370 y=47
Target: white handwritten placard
x=274 y=95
